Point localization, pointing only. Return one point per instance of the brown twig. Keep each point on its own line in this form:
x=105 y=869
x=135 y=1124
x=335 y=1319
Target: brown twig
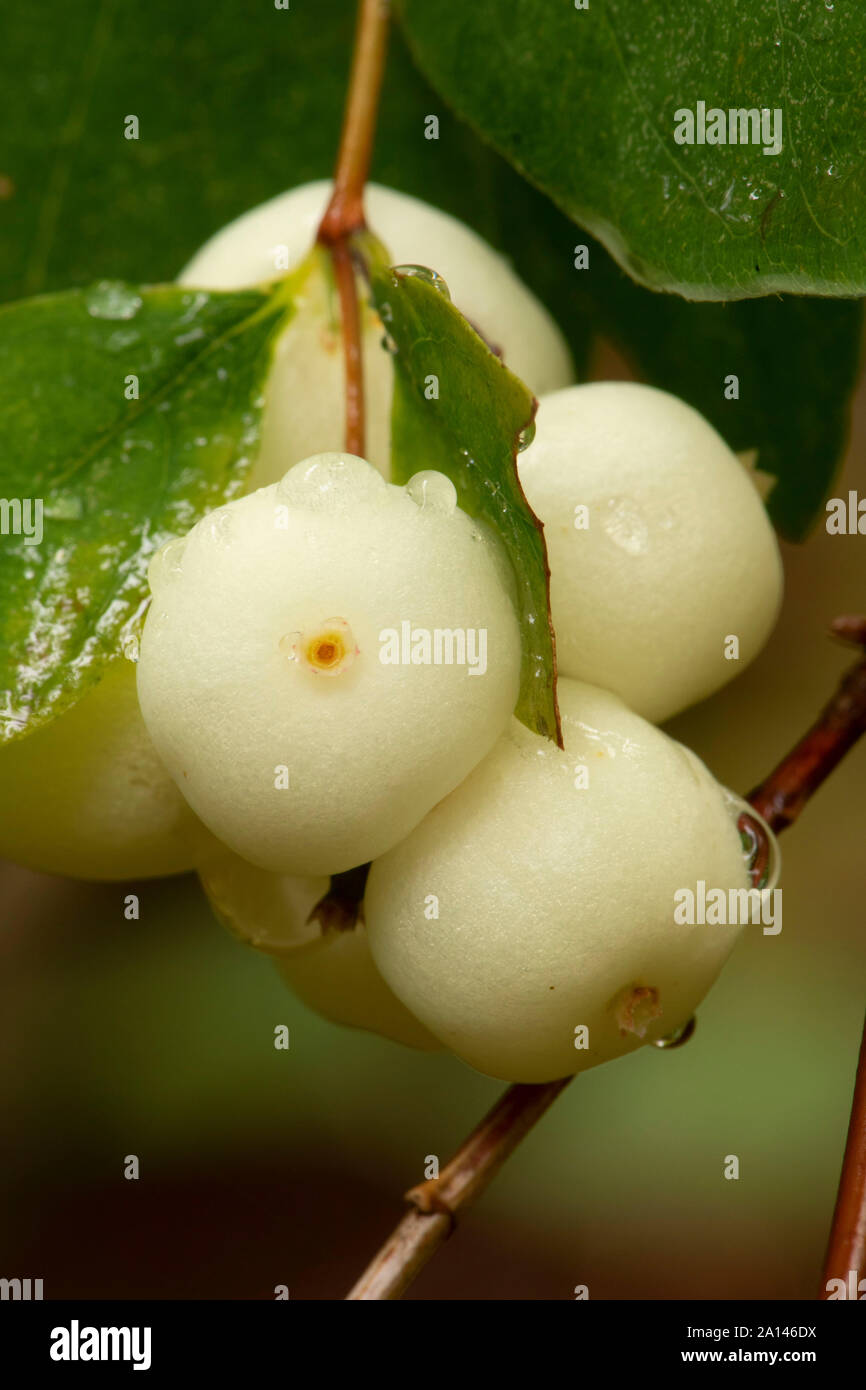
x=345 y=211
x=437 y=1202
x=846 y=1250
x=779 y=799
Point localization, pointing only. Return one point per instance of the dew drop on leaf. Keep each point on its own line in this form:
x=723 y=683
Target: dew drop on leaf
x=112 y=299
x=526 y=436
x=423 y=272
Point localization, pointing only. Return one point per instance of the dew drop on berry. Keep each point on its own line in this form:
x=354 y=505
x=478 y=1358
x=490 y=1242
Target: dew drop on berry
x=432 y=490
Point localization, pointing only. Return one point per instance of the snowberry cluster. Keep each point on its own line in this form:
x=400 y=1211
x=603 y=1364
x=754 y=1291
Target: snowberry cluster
x=330 y=665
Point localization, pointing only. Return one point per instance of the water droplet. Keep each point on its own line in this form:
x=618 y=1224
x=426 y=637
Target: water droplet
x=112 y=299
x=432 y=490
x=166 y=563
x=332 y=481
x=525 y=437
x=423 y=272
x=220 y=525
x=678 y=1036
x=64 y=507
x=760 y=846
x=625 y=526
x=193 y=336
x=122 y=338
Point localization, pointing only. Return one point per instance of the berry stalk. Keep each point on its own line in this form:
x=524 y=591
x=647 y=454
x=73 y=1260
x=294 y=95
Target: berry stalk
x=344 y=214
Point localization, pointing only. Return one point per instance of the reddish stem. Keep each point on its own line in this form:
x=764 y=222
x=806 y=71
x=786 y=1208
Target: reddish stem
x=350 y=320
x=344 y=214
x=847 y=1247
x=781 y=797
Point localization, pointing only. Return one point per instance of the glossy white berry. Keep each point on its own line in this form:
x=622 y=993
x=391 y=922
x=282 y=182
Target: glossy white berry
x=538 y=899
x=665 y=573
x=332 y=971
x=87 y=796
x=325 y=659
x=304 y=412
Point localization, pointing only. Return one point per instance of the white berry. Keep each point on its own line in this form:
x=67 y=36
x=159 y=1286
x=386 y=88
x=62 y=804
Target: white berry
x=325 y=659
x=332 y=971
x=304 y=412
x=665 y=573
x=539 y=897
x=87 y=796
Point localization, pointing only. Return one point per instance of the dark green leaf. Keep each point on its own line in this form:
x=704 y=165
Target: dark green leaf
x=458 y=409
x=238 y=102
x=126 y=413
x=585 y=102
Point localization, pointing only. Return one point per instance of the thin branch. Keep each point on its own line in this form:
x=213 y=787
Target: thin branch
x=437 y=1202
x=345 y=212
x=846 y=1250
x=779 y=799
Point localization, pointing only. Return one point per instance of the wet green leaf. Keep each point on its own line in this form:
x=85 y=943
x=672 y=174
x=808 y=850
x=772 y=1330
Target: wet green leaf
x=458 y=409
x=590 y=102
x=126 y=413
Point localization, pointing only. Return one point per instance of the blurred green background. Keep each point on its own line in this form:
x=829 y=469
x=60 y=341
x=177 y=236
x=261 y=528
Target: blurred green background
x=155 y=1037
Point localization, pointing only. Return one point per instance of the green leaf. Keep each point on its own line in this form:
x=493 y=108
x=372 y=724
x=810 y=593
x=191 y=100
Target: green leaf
x=78 y=201
x=126 y=413
x=585 y=102
x=459 y=410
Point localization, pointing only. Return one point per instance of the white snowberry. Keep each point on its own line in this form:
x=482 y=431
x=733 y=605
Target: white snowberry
x=304 y=409
x=325 y=659
x=666 y=577
x=529 y=920
x=332 y=971
x=87 y=796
